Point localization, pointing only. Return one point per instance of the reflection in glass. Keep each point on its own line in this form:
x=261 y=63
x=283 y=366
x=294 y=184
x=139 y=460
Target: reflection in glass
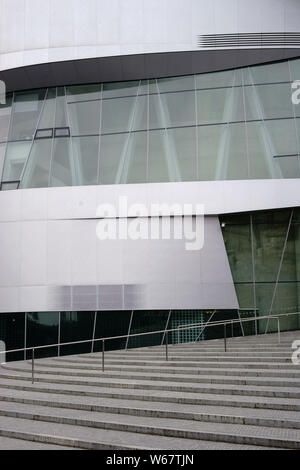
x=42 y=329
x=36 y=174
x=144 y=321
x=86 y=157
x=5 y=110
x=112 y=323
x=16 y=156
x=62 y=168
x=76 y=326
x=26 y=113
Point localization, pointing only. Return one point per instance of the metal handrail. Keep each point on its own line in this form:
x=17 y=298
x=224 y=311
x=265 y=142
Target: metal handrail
x=166 y=332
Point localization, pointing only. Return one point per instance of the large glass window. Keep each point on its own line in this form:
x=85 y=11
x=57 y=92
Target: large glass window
x=233 y=124
x=76 y=326
x=263 y=251
x=41 y=330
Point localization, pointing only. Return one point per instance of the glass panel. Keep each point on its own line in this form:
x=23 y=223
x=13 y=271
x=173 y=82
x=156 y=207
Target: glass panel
x=83 y=92
x=161 y=159
x=289 y=166
x=235 y=164
x=144 y=321
x=264 y=294
x=117 y=89
x=135 y=162
x=172 y=84
x=26 y=112
x=85 y=118
x=76 y=326
x=214 y=106
x=295 y=69
x=2 y=155
x=269 y=236
x=237 y=240
x=216 y=79
x=112 y=323
x=268 y=73
x=36 y=174
x=184 y=141
x=245 y=294
x=61 y=117
x=176 y=109
x=12 y=328
x=62 y=132
x=214 y=332
x=111 y=151
x=284 y=142
x=185 y=317
x=5 y=110
x=124 y=114
x=42 y=329
x=16 y=156
x=86 y=156
x=288 y=290
x=261 y=152
x=44 y=134
x=211 y=143
x=275 y=100
x=62 y=171
x=48 y=112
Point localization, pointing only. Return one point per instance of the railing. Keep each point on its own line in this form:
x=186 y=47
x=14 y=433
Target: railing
x=200 y=325
x=165 y=332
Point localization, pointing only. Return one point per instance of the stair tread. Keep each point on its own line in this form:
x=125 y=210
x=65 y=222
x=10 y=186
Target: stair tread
x=117 y=438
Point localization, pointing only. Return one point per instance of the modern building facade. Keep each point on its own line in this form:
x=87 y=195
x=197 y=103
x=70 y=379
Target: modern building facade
x=169 y=102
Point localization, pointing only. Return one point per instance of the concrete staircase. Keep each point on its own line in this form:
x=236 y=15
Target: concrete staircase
x=203 y=398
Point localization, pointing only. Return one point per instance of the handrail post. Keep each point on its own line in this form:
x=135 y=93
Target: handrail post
x=167 y=356
x=225 y=339
x=278 y=325
x=103 y=352
x=231 y=329
x=32 y=365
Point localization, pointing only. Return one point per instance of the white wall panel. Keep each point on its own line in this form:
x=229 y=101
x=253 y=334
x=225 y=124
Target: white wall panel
x=35 y=31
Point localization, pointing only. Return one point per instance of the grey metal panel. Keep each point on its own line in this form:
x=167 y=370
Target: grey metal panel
x=59 y=298
x=111 y=297
x=217 y=197
x=149 y=274
x=84 y=297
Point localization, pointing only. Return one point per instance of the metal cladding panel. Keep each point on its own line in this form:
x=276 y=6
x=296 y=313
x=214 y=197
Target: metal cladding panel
x=81 y=202
x=34 y=32
x=61 y=265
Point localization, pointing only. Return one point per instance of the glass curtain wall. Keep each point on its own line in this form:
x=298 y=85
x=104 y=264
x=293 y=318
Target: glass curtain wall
x=34 y=329
x=235 y=124
x=263 y=250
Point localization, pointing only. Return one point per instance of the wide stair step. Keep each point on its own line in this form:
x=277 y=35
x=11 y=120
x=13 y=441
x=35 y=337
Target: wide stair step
x=202 y=398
